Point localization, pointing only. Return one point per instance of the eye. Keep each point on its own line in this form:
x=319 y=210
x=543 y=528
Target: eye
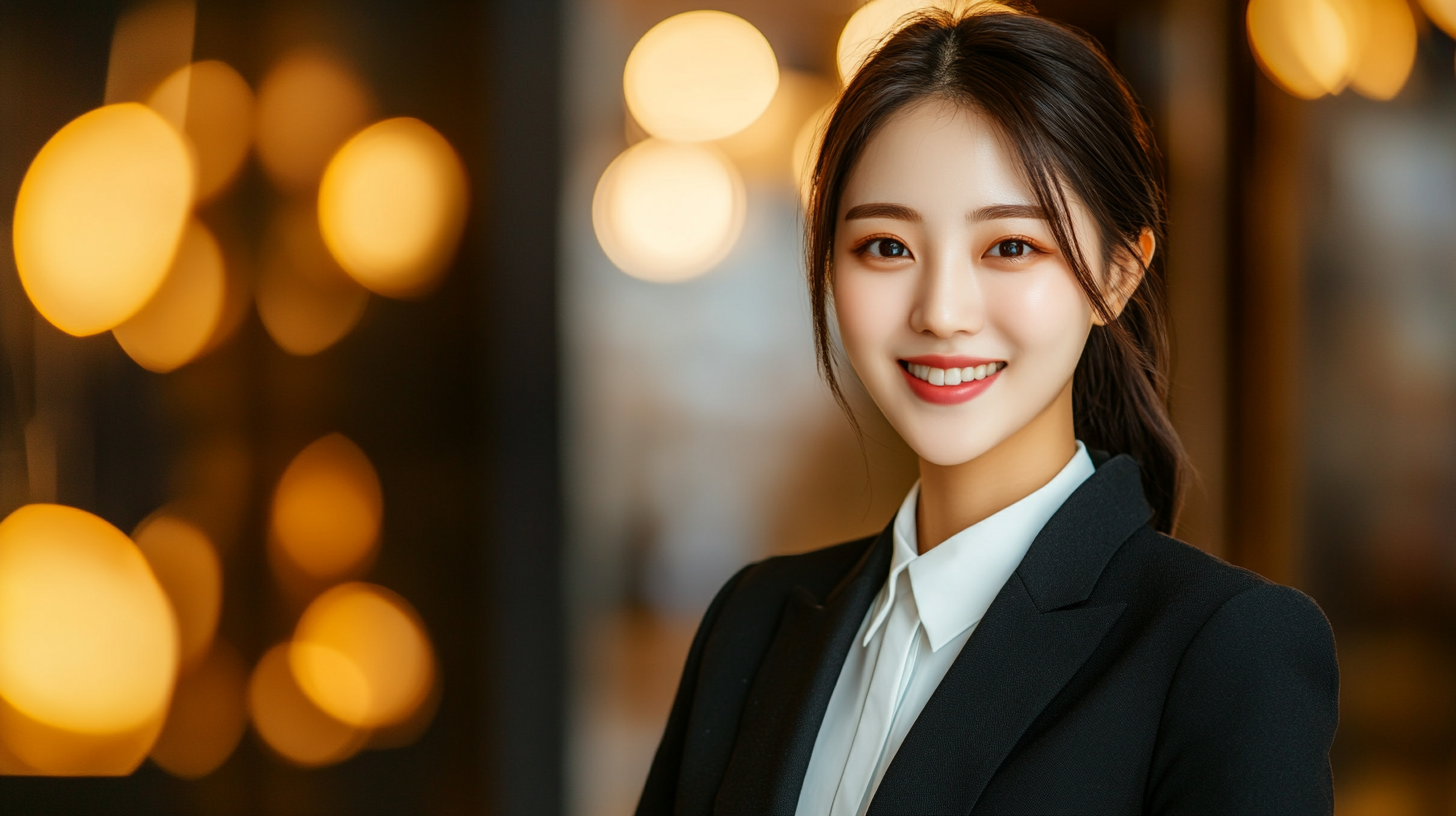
x=887 y=248
x=1012 y=248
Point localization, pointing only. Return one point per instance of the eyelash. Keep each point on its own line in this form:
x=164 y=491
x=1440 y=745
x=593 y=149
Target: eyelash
x=1031 y=248
x=863 y=247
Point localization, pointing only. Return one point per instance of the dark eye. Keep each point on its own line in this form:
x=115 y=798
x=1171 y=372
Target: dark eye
x=888 y=248
x=1011 y=248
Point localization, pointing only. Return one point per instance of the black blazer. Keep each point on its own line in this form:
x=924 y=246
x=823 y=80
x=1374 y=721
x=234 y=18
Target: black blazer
x=1117 y=671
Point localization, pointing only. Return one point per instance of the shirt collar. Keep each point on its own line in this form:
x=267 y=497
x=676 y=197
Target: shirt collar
x=955 y=583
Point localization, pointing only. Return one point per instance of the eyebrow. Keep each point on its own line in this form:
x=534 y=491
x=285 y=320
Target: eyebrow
x=899 y=212
x=999 y=211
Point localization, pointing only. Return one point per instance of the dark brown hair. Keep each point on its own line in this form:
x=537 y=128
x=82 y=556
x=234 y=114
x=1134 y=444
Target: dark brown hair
x=1074 y=124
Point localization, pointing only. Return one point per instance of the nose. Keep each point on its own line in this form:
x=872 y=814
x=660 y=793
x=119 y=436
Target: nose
x=948 y=298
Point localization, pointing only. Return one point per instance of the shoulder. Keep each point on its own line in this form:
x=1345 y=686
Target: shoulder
x=817 y=571
x=1253 y=701
x=1236 y=629
x=1170 y=577
x=754 y=597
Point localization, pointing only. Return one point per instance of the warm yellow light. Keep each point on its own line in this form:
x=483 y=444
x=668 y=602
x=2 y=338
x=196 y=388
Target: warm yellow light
x=186 y=565
x=806 y=149
x=361 y=655
x=99 y=215
x=327 y=509
x=290 y=723
x=150 y=41
x=1389 y=49
x=306 y=302
x=764 y=150
x=1308 y=47
x=392 y=205
x=668 y=211
x=237 y=296
x=307 y=106
x=176 y=324
x=213 y=106
x=88 y=642
x=1442 y=13
x=207 y=717
x=700 y=75
x=867 y=28
x=33 y=747
x=874 y=22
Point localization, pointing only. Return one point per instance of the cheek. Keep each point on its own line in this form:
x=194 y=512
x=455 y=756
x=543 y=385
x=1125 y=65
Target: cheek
x=1040 y=313
x=868 y=306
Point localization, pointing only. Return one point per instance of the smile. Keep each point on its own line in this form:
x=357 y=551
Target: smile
x=952 y=376
x=949 y=380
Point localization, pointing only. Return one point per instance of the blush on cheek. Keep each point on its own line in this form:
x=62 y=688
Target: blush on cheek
x=868 y=309
x=1042 y=314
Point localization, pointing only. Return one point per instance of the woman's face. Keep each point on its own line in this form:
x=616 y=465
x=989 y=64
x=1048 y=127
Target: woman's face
x=957 y=309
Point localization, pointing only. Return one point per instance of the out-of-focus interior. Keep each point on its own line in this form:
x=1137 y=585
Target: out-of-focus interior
x=250 y=470
x=386 y=388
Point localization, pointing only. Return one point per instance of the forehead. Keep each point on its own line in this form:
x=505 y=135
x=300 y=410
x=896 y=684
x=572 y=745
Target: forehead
x=936 y=155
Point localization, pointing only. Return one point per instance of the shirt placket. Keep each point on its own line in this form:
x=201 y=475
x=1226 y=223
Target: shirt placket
x=881 y=702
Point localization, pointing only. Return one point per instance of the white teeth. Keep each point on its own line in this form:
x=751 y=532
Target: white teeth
x=953 y=376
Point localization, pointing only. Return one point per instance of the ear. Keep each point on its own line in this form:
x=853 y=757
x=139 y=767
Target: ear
x=1125 y=273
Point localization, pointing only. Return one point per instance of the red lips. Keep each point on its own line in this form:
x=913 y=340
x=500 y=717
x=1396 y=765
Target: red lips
x=948 y=394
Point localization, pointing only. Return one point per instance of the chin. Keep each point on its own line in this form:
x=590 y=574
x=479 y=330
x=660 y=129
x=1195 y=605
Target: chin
x=947 y=452
x=947 y=440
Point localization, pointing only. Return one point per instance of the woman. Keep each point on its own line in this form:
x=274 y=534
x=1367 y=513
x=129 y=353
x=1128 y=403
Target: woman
x=1024 y=637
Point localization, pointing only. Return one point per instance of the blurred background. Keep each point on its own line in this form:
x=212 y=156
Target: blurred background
x=386 y=388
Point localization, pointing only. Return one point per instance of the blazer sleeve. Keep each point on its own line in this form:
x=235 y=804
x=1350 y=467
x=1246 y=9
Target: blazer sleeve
x=660 y=792
x=1251 y=712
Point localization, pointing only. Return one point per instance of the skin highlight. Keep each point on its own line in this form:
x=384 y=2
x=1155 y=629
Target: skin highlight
x=940 y=249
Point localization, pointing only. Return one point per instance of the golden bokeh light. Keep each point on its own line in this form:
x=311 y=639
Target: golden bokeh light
x=187 y=567
x=237 y=293
x=88 y=641
x=207 y=718
x=212 y=105
x=150 y=41
x=764 y=150
x=806 y=149
x=700 y=75
x=668 y=211
x=305 y=300
x=361 y=654
x=308 y=104
x=1388 y=50
x=392 y=206
x=327 y=509
x=290 y=723
x=99 y=216
x=1308 y=47
x=870 y=26
x=33 y=747
x=177 y=323
x=1442 y=13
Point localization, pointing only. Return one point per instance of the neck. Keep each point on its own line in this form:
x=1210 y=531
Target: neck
x=954 y=497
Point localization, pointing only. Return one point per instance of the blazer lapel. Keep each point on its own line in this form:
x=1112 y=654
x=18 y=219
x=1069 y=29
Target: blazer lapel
x=792 y=689
x=1025 y=649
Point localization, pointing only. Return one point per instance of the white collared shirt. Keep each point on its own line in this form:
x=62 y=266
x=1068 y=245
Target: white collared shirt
x=913 y=632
